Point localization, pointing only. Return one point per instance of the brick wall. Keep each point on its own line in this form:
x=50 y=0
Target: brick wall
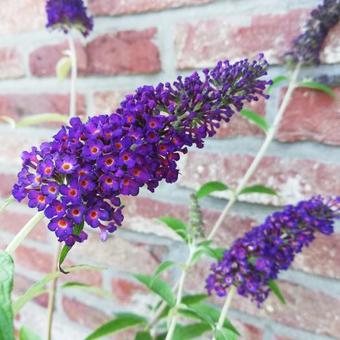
x=144 y=42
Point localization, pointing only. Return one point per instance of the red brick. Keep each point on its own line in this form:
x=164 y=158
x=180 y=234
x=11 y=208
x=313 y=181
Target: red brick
x=89 y=277
x=22 y=284
x=22 y=16
x=6 y=183
x=43 y=60
x=125 y=52
x=22 y=105
x=240 y=126
x=34 y=259
x=117 y=7
x=119 y=254
x=83 y=314
x=311 y=115
x=247 y=331
x=11 y=63
x=13 y=222
x=293 y=179
x=125 y=291
x=108 y=101
x=331 y=51
x=203 y=43
x=305 y=309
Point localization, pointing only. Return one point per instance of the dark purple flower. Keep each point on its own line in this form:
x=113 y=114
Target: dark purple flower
x=259 y=256
x=307 y=46
x=68 y=14
x=90 y=165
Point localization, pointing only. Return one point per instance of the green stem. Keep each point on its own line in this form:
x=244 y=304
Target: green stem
x=74 y=70
x=28 y=227
x=6 y=203
x=225 y=309
x=269 y=138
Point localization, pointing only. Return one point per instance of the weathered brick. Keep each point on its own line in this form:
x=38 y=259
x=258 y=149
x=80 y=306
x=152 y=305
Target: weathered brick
x=331 y=50
x=293 y=179
x=125 y=52
x=43 y=61
x=202 y=43
x=125 y=291
x=6 y=183
x=89 y=277
x=22 y=105
x=13 y=222
x=34 y=259
x=11 y=63
x=247 y=331
x=117 y=7
x=22 y=16
x=107 y=101
x=311 y=115
x=83 y=314
x=119 y=254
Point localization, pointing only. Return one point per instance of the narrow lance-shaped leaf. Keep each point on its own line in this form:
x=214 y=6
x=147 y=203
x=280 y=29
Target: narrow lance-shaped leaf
x=162 y=267
x=87 y=288
x=27 y=334
x=276 y=82
x=6 y=286
x=210 y=187
x=178 y=226
x=318 y=86
x=192 y=331
x=43 y=118
x=143 y=336
x=256 y=119
x=121 y=322
x=258 y=189
x=225 y=334
x=277 y=291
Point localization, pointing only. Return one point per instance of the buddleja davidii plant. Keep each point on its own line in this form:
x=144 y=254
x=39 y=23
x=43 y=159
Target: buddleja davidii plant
x=69 y=17
x=251 y=266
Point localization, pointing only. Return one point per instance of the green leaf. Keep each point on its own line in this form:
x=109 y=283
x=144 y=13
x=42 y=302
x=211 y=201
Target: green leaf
x=214 y=253
x=143 y=336
x=277 y=291
x=39 y=287
x=256 y=119
x=162 y=267
x=63 y=68
x=43 y=118
x=160 y=287
x=191 y=331
x=87 y=288
x=318 y=86
x=27 y=334
x=64 y=251
x=190 y=300
x=258 y=189
x=210 y=187
x=225 y=334
x=276 y=82
x=121 y=322
x=176 y=225
x=6 y=286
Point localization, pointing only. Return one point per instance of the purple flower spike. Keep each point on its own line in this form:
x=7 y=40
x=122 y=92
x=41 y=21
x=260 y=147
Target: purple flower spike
x=259 y=256
x=80 y=175
x=67 y=14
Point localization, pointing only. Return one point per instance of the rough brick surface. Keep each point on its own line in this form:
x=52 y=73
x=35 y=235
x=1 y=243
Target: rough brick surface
x=203 y=43
x=6 y=183
x=125 y=291
x=34 y=259
x=293 y=179
x=311 y=115
x=13 y=22
x=124 y=52
x=117 y=7
x=108 y=101
x=11 y=63
x=21 y=105
x=43 y=61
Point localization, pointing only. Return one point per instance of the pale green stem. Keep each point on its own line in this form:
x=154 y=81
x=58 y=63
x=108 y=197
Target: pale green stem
x=74 y=70
x=28 y=227
x=6 y=203
x=225 y=309
x=174 y=312
x=269 y=138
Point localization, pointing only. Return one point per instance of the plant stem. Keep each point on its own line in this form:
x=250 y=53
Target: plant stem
x=52 y=295
x=27 y=228
x=73 y=56
x=225 y=309
x=173 y=320
x=6 y=203
x=269 y=137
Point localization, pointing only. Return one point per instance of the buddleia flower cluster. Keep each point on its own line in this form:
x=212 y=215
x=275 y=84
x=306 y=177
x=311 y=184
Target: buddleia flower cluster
x=68 y=14
x=81 y=174
x=307 y=46
x=257 y=258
